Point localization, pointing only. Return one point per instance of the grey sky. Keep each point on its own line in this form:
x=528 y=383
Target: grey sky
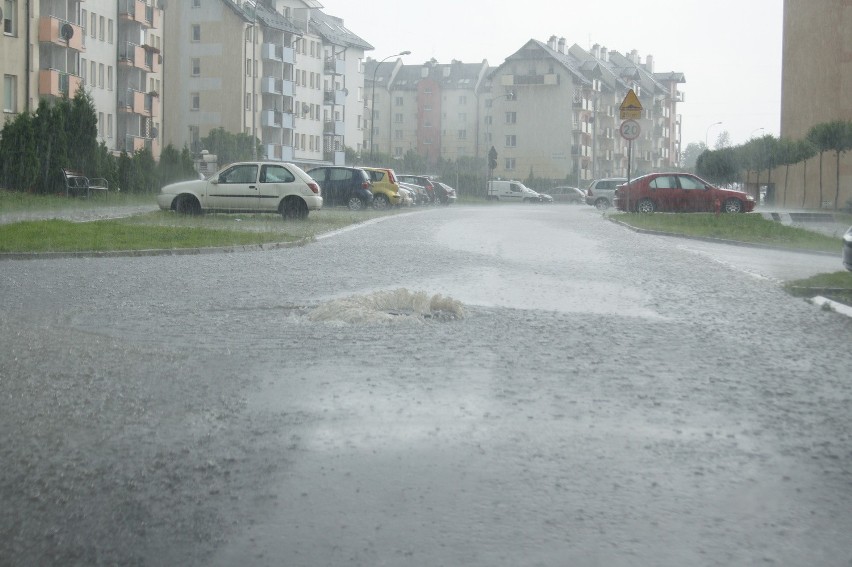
x=729 y=50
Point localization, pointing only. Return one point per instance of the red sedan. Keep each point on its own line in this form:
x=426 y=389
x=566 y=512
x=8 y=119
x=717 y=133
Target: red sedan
x=679 y=192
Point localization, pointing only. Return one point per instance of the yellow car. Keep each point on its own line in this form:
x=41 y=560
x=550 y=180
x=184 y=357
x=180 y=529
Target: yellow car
x=385 y=187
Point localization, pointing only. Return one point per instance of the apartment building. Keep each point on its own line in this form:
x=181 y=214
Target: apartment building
x=279 y=70
x=548 y=109
x=431 y=109
x=52 y=47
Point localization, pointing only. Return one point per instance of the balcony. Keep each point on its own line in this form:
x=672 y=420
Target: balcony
x=274 y=52
x=278 y=152
x=137 y=102
x=276 y=119
x=132 y=55
x=334 y=97
x=334 y=128
x=271 y=85
x=133 y=144
x=138 y=11
x=61 y=32
x=335 y=66
x=335 y=157
x=52 y=82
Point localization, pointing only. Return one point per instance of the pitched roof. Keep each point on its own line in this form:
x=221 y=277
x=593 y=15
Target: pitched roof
x=331 y=29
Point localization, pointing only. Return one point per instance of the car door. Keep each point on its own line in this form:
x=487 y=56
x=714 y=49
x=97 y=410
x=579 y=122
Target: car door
x=275 y=182
x=234 y=189
x=665 y=192
x=320 y=175
x=696 y=196
x=515 y=193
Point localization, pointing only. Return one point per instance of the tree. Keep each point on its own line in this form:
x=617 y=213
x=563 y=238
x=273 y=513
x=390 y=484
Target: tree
x=689 y=157
x=720 y=166
x=175 y=166
x=19 y=167
x=81 y=129
x=826 y=136
x=229 y=147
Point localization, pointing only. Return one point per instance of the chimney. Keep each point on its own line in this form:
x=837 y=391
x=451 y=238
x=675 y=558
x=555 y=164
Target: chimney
x=561 y=45
x=596 y=51
x=604 y=54
x=634 y=56
x=551 y=43
x=649 y=63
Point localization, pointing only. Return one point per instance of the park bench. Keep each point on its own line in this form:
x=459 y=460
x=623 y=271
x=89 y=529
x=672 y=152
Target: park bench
x=77 y=184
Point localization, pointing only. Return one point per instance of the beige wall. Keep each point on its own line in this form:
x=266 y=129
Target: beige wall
x=816 y=86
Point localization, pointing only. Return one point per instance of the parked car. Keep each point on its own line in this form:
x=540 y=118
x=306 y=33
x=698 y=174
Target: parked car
x=600 y=192
x=418 y=191
x=446 y=194
x=545 y=197
x=567 y=194
x=385 y=187
x=423 y=181
x=679 y=192
x=348 y=186
x=847 y=249
x=257 y=187
x=407 y=196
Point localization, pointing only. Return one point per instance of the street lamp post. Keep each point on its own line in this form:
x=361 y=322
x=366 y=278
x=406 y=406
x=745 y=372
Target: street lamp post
x=373 y=99
x=707 y=133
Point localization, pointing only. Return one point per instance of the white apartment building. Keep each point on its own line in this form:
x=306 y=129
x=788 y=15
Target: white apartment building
x=281 y=71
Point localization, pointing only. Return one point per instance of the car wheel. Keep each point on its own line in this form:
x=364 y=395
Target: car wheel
x=355 y=204
x=187 y=205
x=733 y=206
x=380 y=202
x=646 y=206
x=602 y=204
x=293 y=208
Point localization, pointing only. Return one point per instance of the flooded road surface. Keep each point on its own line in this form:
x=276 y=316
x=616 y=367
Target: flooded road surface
x=501 y=385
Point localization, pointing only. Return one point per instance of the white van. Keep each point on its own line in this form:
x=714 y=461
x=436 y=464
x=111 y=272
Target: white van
x=511 y=191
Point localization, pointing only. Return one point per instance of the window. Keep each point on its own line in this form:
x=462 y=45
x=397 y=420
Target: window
x=462 y=134
x=109 y=32
x=511 y=117
x=510 y=164
x=9 y=17
x=462 y=99
x=397 y=134
x=101 y=75
x=196 y=3
x=397 y=118
x=101 y=124
x=93 y=76
x=102 y=26
x=398 y=101
x=10 y=90
x=511 y=141
x=109 y=126
x=194 y=138
x=462 y=117
x=248 y=101
x=196 y=32
x=83 y=68
x=194 y=101
x=276 y=174
x=196 y=66
x=109 y=77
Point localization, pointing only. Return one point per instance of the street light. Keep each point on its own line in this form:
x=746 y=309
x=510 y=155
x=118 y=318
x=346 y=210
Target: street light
x=373 y=99
x=707 y=133
x=750 y=136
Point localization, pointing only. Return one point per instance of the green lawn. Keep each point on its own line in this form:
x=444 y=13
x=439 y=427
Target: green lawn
x=751 y=228
x=17 y=201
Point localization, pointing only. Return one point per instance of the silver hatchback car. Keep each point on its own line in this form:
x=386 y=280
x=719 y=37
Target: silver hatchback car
x=600 y=192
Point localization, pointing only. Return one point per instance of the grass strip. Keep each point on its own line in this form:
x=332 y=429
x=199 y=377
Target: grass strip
x=743 y=228
x=99 y=236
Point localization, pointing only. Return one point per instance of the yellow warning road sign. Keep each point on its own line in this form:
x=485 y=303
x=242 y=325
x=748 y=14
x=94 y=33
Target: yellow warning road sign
x=631 y=108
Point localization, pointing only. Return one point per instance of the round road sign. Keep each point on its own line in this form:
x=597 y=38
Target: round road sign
x=630 y=130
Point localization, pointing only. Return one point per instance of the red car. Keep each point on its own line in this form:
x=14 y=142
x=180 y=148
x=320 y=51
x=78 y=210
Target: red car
x=681 y=193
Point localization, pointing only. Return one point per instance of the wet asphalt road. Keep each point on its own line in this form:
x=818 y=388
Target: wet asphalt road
x=608 y=398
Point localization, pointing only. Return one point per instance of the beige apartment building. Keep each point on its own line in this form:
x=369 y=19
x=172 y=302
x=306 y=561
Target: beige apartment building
x=815 y=86
x=281 y=70
x=110 y=47
x=548 y=110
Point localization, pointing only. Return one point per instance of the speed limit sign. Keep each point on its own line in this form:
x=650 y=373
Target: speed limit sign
x=629 y=130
